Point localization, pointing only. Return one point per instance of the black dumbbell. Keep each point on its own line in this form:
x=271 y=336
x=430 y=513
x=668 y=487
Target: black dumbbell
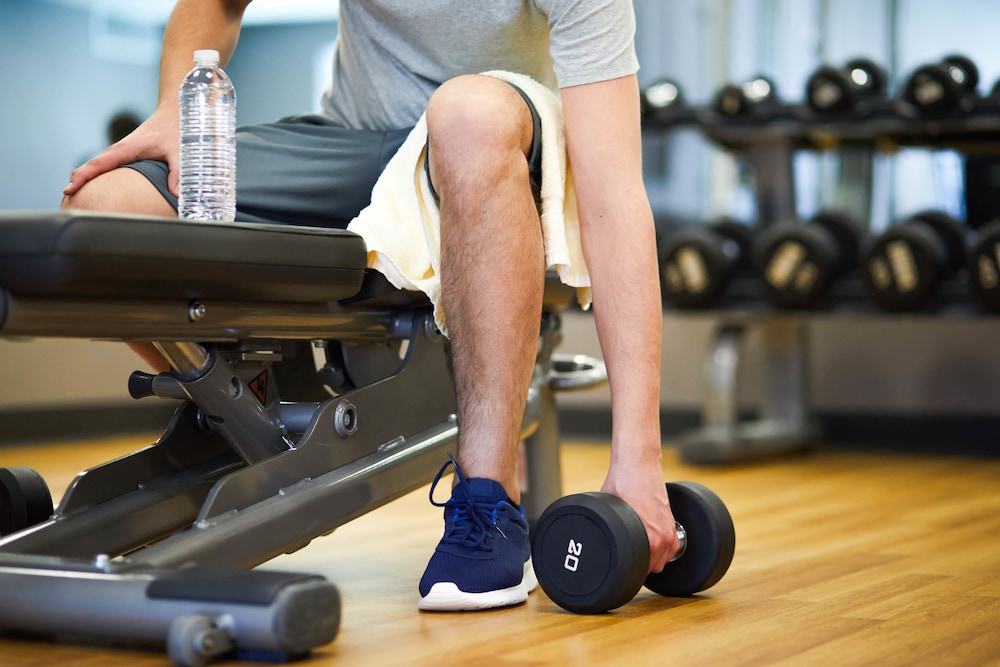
x=984 y=267
x=837 y=90
x=756 y=97
x=798 y=262
x=591 y=553
x=903 y=267
x=943 y=88
x=25 y=499
x=664 y=94
x=697 y=262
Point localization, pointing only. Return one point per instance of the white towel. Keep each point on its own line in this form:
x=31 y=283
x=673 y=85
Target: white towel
x=402 y=225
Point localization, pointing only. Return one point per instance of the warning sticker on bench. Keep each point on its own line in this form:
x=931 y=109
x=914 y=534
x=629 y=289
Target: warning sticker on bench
x=258 y=386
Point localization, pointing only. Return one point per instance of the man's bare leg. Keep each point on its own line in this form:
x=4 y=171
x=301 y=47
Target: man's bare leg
x=124 y=191
x=492 y=264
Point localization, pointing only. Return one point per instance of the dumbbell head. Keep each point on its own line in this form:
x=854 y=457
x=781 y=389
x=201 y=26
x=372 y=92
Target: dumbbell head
x=797 y=263
x=709 y=542
x=832 y=90
x=590 y=552
x=937 y=90
x=951 y=233
x=904 y=266
x=24 y=499
x=734 y=101
x=663 y=94
x=984 y=267
x=698 y=261
x=963 y=71
x=868 y=76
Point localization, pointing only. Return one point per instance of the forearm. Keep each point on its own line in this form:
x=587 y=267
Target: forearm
x=619 y=241
x=193 y=25
x=629 y=319
x=628 y=316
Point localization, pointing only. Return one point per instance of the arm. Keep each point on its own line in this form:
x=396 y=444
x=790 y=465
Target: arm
x=619 y=242
x=193 y=24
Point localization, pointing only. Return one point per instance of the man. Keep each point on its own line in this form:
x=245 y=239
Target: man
x=396 y=59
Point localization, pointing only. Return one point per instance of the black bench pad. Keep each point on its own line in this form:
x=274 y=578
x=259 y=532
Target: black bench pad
x=97 y=255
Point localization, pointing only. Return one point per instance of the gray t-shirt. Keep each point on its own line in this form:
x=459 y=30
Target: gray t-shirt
x=392 y=54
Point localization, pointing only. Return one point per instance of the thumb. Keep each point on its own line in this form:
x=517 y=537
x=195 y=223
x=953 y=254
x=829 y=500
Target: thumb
x=173 y=177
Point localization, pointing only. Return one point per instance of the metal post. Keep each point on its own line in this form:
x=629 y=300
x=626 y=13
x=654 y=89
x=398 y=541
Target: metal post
x=853 y=194
x=773 y=170
x=783 y=342
x=784 y=425
x=720 y=375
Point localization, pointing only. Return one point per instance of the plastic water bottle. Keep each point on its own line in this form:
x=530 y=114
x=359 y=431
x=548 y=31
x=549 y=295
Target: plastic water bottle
x=207 y=142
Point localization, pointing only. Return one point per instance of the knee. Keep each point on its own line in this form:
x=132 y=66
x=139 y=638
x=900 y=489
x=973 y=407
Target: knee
x=119 y=191
x=87 y=198
x=477 y=119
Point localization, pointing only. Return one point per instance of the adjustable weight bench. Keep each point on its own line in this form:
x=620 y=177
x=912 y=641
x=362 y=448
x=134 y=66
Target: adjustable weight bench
x=310 y=392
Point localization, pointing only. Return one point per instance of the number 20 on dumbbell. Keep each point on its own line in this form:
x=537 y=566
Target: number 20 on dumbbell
x=591 y=553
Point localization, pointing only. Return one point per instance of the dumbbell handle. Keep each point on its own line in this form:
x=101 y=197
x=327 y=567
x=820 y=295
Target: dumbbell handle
x=682 y=537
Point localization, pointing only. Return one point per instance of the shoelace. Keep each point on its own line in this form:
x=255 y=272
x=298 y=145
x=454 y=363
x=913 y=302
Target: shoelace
x=472 y=523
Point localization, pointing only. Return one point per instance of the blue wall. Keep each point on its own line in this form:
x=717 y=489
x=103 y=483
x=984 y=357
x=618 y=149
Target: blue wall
x=58 y=88
x=56 y=100
x=274 y=70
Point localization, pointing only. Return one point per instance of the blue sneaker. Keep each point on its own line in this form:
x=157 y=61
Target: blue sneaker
x=484 y=559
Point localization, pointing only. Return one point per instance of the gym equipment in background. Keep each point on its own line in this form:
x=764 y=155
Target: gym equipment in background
x=698 y=262
x=943 y=89
x=904 y=267
x=984 y=267
x=797 y=263
x=839 y=90
x=661 y=95
x=757 y=99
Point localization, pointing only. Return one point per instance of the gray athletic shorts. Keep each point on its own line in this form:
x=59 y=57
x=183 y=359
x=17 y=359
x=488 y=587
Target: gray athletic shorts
x=305 y=170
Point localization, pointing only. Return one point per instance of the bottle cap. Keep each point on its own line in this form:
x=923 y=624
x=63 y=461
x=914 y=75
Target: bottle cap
x=206 y=58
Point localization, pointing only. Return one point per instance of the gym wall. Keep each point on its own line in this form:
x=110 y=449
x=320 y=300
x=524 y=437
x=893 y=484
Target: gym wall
x=55 y=111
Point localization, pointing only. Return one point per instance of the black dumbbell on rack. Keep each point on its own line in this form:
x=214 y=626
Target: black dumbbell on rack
x=591 y=553
x=659 y=96
x=903 y=268
x=984 y=267
x=757 y=99
x=698 y=262
x=798 y=263
x=943 y=89
x=663 y=105
x=846 y=90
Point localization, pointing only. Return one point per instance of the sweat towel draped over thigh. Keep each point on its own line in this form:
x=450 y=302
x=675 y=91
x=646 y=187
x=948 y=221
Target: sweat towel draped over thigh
x=402 y=225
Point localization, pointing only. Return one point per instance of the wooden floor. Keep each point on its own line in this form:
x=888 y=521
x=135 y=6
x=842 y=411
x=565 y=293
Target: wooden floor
x=841 y=559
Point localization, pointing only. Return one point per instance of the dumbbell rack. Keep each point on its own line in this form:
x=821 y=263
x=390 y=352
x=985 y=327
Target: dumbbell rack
x=767 y=144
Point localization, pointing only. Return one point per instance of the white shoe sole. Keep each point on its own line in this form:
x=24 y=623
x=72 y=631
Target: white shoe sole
x=446 y=596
